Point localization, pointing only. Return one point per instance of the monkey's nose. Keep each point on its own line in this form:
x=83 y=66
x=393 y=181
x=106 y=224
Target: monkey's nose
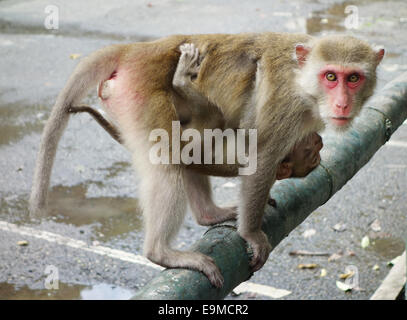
x=342 y=106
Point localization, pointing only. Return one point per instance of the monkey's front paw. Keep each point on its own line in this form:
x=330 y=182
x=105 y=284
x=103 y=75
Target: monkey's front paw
x=261 y=248
x=211 y=270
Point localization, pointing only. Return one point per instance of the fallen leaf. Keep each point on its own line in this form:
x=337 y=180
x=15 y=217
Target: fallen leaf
x=343 y=286
x=323 y=273
x=234 y=294
x=375 y=226
x=307 y=266
x=376 y=267
x=339 y=227
x=74 y=56
x=347 y=275
x=365 y=242
x=309 y=233
x=307 y=253
x=335 y=256
x=256 y=288
x=22 y=243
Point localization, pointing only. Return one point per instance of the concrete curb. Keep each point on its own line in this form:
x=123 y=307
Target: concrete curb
x=394 y=281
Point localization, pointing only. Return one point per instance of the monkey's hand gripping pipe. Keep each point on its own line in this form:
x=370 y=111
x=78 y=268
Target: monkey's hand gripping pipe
x=342 y=156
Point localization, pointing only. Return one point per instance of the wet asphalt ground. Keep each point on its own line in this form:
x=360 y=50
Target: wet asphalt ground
x=94 y=190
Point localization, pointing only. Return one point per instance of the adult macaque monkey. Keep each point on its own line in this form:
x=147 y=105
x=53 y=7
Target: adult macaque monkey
x=284 y=85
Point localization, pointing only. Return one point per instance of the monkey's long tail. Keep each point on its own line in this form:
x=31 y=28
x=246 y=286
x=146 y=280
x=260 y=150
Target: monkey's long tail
x=90 y=71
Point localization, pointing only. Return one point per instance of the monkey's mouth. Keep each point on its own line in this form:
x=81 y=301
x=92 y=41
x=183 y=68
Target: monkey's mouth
x=340 y=121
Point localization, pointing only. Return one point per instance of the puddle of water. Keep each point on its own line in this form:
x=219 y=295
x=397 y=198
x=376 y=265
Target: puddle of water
x=65 y=291
x=106 y=292
x=108 y=217
x=19 y=119
x=331 y=19
x=388 y=248
x=114 y=216
x=71 y=205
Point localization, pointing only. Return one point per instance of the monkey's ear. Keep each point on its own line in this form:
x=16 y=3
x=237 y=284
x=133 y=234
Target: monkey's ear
x=285 y=170
x=379 y=55
x=301 y=53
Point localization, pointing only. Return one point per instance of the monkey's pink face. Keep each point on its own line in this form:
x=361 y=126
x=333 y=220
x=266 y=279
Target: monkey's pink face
x=341 y=86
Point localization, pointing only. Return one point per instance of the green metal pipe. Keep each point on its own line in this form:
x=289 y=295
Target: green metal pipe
x=342 y=156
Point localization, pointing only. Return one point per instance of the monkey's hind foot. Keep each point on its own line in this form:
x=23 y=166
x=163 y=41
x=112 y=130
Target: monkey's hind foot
x=190 y=260
x=217 y=215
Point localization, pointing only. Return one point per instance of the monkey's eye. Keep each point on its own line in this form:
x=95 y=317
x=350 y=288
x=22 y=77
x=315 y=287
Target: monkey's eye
x=330 y=76
x=354 y=77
